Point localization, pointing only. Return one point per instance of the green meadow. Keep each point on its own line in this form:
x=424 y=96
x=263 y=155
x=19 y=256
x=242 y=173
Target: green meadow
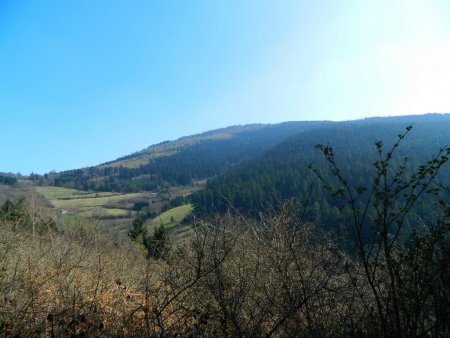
x=172 y=221
x=91 y=204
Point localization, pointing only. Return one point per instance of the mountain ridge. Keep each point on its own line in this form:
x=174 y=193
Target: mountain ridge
x=180 y=162
x=282 y=172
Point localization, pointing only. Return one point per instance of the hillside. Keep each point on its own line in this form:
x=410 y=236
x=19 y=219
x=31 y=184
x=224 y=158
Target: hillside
x=282 y=172
x=181 y=162
x=252 y=168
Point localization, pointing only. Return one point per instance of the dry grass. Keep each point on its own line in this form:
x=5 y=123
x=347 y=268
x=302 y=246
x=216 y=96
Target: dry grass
x=65 y=285
x=275 y=278
x=22 y=189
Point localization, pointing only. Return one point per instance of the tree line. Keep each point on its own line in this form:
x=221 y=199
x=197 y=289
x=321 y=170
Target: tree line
x=286 y=170
x=8 y=180
x=196 y=161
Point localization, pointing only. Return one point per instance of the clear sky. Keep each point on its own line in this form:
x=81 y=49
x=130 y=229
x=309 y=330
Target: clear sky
x=83 y=82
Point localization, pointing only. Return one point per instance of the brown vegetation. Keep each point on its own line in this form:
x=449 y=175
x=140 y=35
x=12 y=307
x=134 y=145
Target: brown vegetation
x=236 y=277
x=232 y=279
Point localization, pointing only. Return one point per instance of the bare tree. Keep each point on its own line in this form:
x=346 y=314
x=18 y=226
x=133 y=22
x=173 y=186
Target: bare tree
x=398 y=272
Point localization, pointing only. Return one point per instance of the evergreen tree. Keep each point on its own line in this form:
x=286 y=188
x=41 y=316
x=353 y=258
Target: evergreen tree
x=158 y=245
x=137 y=230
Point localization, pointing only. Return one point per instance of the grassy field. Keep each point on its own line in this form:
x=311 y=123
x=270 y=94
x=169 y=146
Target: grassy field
x=77 y=203
x=54 y=193
x=171 y=219
x=114 y=209
x=90 y=204
x=64 y=198
x=104 y=212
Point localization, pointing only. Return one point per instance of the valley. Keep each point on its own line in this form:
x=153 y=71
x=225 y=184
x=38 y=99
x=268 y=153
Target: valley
x=115 y=211
x=249 y=169
x=334 y=215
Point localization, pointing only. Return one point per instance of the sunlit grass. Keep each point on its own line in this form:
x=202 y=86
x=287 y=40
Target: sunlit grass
x=89 y=204
x=172 y=217
x=172 y=221
x=77 y=203
x=104 y=212
x=52 y=193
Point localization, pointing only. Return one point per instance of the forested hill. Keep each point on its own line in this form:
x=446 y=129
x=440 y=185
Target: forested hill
x=283 y=172
x=182 y=161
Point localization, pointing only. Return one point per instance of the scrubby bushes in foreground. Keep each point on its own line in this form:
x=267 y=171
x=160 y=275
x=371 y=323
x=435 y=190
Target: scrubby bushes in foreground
x=233 y=278
x=277 y=277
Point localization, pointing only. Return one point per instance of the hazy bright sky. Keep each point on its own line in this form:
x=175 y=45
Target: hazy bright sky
x=83 y=82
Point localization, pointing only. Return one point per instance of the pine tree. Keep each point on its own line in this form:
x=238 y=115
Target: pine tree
x=158 y=245
x=137 y=230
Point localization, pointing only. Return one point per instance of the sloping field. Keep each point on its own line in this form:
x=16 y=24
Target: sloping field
x=54 y=193
x=100 y=212
x=103 y=204
x=171 y=219
x=77 y=203
x=112 y=208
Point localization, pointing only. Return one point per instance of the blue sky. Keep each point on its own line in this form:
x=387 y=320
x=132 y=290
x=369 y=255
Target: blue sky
x=83 y=82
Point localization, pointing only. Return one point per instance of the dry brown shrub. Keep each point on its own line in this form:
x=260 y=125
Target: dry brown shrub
x=236 y=277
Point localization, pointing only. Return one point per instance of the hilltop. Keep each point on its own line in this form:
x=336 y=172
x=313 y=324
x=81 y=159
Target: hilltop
x=284 y=171
x=181 y=162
